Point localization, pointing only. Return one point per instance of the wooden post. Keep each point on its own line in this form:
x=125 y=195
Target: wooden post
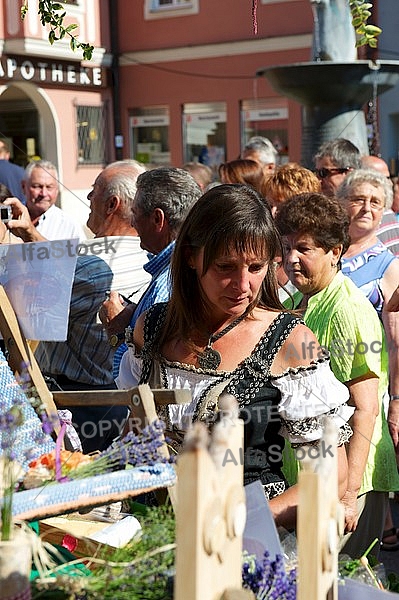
x=319 y=521
x=211 y=511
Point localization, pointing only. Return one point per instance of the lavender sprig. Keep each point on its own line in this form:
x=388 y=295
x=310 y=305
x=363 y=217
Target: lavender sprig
x=268 y=579
x=133 y=449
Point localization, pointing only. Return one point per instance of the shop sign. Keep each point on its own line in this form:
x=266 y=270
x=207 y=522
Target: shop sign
x=47 y=71
x=266 y=114
x=215 y=117
x=149 y=121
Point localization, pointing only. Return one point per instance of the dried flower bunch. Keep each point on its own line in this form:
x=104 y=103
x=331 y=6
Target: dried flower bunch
x=133 y=450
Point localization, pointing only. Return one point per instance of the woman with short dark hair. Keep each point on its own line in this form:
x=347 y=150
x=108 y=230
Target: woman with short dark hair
x=315 y=230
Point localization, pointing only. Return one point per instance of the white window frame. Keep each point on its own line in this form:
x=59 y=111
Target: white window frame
x=177 y=8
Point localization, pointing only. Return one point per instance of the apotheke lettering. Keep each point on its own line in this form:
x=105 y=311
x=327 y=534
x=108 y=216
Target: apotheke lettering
x=50 y=72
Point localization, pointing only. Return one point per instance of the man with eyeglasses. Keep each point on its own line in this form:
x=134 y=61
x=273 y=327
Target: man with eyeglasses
x=333 y=161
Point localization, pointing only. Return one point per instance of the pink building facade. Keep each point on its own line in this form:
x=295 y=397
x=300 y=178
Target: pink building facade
x=188 y=85
x=52 y=105
x=170 y=81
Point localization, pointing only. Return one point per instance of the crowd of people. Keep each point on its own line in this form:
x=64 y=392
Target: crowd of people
x=275 y=284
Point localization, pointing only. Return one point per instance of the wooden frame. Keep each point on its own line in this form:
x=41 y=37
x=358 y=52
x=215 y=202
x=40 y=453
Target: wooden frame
x=141 y=402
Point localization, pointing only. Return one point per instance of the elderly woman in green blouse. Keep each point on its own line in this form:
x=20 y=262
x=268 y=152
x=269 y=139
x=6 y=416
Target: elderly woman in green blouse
x=315 y=235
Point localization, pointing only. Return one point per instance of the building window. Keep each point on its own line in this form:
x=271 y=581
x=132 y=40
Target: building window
x=91 y=124
x=268 y=118
x=204 y=134
x=156 y=9
x=149 y=135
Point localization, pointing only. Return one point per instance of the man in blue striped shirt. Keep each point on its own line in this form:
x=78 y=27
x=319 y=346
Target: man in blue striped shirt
x=163 y=198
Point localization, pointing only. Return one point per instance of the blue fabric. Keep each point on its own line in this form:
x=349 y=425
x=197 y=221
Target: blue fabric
x=158 y=291
x=57 y=498
x=28 y=439
x=366 y=271
x=11 y=175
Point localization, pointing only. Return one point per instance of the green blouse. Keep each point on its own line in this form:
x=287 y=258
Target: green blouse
x=345 y=323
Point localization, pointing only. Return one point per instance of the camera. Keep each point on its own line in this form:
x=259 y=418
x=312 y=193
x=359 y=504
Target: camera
x=5 y=213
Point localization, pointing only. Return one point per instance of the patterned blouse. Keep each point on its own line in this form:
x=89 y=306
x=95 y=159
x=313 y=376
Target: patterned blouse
x=367 y=270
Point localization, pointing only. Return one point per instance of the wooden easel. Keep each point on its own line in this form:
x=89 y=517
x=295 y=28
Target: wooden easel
x=141 y=402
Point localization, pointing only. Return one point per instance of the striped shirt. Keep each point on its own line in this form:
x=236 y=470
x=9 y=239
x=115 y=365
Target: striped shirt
x=388 y=231
x=111 y=263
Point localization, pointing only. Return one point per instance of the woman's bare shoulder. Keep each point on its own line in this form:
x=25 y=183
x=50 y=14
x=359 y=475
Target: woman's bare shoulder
x=299 y=350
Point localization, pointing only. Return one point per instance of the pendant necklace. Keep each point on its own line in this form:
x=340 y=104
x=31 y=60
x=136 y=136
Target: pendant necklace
x=210 y=358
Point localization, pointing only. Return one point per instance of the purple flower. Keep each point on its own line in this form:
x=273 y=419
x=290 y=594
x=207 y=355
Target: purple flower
x=268 y=579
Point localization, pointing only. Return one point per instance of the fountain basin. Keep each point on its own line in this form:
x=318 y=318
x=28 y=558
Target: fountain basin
x=332 y=95
x=325 y=82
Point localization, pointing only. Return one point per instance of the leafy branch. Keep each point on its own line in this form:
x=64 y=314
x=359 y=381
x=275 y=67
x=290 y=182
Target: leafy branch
x=53 y=14
x=366 y=34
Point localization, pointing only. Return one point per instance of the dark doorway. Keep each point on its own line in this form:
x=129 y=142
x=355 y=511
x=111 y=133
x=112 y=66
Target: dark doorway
x=19 y=124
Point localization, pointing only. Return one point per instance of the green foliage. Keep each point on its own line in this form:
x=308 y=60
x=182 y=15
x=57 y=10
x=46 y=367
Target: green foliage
x=138 y=571
x=393 y=582
x=366 y=34
x=151 y=558
x=52 y=14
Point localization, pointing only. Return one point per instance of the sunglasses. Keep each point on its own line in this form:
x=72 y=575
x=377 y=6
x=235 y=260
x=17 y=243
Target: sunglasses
x=323 y=173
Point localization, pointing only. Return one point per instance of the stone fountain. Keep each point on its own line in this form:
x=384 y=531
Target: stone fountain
x=334 y=87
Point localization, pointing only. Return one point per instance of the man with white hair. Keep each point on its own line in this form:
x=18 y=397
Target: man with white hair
x=262 y=151
x=41 y=187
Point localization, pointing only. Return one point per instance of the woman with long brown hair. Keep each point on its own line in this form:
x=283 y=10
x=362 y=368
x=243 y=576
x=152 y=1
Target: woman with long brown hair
x=225 y=330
